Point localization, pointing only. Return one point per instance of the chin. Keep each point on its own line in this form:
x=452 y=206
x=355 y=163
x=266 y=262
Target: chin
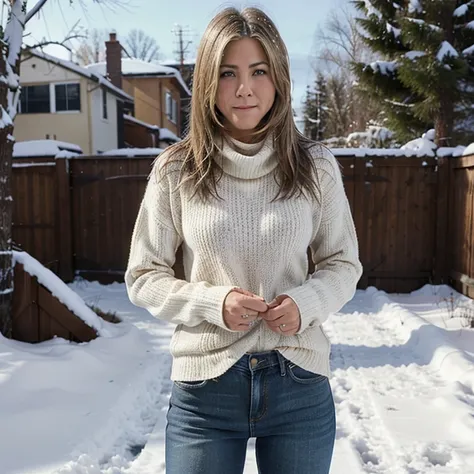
x=246 y=127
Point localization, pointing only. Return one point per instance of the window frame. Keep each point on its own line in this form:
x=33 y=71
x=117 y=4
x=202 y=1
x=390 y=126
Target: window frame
x=53 y=94
x=105 y=105
x=24 y=95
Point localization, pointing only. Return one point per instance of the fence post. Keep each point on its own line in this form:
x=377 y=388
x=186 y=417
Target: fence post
x=64 y=219
x=360 y=214
x=440 y=273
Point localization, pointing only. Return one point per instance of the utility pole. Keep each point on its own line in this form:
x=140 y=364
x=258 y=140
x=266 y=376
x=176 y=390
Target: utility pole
x=182 y=45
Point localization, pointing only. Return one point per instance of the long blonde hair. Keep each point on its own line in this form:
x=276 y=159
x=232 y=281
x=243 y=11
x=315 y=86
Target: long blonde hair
x=295 y=170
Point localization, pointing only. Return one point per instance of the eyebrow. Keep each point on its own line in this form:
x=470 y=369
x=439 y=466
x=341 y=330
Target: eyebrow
x=232 y=66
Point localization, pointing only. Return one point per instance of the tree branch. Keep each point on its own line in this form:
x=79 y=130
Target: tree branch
x=35 y=10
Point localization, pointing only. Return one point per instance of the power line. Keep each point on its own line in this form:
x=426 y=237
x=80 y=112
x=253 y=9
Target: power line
x=183 y=43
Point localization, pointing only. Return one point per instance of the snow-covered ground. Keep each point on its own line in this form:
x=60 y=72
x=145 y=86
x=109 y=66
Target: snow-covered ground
x=403 y=382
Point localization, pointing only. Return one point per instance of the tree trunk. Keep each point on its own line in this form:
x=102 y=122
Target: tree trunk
x=444 y=122
x=6 y=153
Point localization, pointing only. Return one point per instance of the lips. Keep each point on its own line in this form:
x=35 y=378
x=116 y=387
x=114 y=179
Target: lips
x=245 y=107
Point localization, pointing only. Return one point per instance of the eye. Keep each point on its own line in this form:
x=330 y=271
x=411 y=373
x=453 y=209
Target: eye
x=260 y=72
x=227 y=74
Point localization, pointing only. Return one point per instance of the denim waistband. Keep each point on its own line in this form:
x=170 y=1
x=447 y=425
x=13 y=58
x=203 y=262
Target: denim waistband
x=261 y=360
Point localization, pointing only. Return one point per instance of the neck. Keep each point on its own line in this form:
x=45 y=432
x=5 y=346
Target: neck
x=247 y=163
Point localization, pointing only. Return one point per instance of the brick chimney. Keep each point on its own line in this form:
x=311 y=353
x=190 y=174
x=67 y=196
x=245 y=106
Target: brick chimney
x=113 y=54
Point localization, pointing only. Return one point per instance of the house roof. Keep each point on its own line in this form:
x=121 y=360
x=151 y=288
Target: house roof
x=82 y=71
x=137 y=67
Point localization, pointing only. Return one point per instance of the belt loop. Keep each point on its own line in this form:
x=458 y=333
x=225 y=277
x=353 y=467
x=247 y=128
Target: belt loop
x=281 y=360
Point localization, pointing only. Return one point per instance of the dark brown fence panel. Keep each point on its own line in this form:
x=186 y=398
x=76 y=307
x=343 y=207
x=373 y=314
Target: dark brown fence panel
x=414 y=217
x=460 y=248
x=35 y=211
x=106 y=194
x=395 y=216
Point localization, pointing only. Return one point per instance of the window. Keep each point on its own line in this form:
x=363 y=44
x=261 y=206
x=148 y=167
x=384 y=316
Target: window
x=171 y=108
x=35 y=100
x=68 y=97
x=104 y=104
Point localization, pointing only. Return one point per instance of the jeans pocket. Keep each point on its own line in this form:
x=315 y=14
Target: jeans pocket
x=190 y=385
x=300 y=375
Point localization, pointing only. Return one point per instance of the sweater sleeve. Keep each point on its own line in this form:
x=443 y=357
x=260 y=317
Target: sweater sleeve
x=334 y=251
x=149 y=277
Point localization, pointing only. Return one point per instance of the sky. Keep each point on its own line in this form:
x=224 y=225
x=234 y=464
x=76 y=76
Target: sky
x=297 y=21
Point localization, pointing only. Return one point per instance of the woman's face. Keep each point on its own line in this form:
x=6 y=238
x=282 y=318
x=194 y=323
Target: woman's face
x=246 y=91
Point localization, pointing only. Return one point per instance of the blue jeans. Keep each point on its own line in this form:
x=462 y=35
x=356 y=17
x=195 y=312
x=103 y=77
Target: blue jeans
x=289 y=411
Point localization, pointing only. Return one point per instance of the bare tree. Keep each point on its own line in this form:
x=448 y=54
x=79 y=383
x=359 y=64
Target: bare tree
x=11 y=43
x=142 y=46
x=92 y=48
x=337 y=46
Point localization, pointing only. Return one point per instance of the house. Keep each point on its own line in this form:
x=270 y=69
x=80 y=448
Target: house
x=158 y=90
x=66 y=102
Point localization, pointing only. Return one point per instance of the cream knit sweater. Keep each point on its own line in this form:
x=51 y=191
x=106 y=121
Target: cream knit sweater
x=248 y=242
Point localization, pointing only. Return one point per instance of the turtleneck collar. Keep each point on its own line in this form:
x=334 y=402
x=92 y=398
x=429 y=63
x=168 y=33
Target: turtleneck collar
x=247 y=160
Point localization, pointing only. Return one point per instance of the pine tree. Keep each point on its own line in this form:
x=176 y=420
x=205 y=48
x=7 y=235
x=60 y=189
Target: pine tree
x=321 y=107
x=309 y=112
x=315 y=109
x=428 y=76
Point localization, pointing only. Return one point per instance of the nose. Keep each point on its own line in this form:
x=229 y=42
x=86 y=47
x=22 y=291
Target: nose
x=244 y=89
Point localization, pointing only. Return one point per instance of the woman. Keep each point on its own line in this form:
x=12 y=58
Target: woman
x=245 y=195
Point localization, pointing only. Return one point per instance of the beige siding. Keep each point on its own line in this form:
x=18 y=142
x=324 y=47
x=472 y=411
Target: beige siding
x=149 y=94
x=104 y=131
x=70 y=127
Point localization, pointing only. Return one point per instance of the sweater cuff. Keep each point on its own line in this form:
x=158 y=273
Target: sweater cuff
x=216 y=296
x=306 y=304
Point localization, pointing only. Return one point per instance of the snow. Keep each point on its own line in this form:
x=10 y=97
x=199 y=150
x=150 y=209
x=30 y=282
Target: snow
x=31 y=165
x=61 y=291
x=414 y=6
x=408 y=152
x=371 y=10
x=165 y=133
x=45 y=148
x=131 y=118
x=462 y=10
x=133 y=66
x=469 y=150
x=445 y=50
x=83 y=71
x=5 y=120
x=384 y=67
x=13 y=36
x=468 y=51
x=450 y=151
x=403 y=385
x=395 y=31
x=422 y=146
x=470 y=25
x=430 y=134
x=414 y=54
x=132 y=152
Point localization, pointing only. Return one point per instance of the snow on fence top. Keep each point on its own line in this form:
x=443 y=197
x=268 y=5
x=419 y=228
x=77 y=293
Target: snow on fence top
x=137 y=67
x=131 y=152
x=43 y=148
x=61 y=291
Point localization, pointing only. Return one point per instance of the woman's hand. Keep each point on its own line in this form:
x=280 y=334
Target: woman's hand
x=242 y=308
x=283 y=316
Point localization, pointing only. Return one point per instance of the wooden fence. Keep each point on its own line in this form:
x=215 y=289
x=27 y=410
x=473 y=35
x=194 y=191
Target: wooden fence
x=414 y=217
